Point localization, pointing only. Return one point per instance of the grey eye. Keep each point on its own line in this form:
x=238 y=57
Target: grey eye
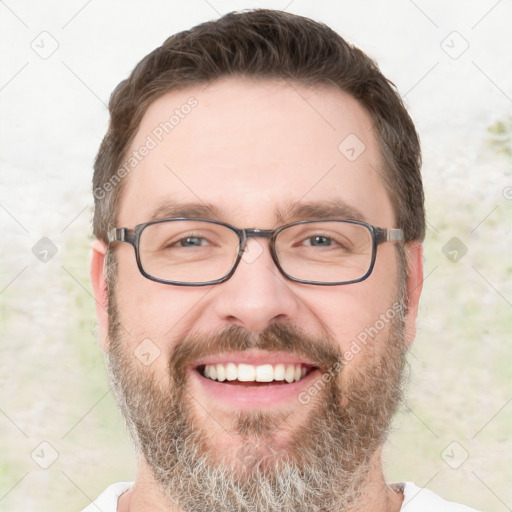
x=192 y=241
x=318 y=241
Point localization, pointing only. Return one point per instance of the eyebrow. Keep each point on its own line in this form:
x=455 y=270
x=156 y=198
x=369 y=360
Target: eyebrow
x=332 y=209
x=170 y=209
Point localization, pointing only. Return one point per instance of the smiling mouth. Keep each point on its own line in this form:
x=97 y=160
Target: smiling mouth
x=255 y=375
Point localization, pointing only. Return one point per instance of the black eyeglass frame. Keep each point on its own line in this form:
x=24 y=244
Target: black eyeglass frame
x=132 y=236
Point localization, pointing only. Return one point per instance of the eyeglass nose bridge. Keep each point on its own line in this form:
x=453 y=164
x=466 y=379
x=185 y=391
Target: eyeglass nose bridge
x=246 y=234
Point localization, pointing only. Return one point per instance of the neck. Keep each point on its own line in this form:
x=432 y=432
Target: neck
x=376 y=495
x=146 y=495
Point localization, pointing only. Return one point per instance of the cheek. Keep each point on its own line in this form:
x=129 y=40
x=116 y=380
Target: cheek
x=143 y=314
x=348 y=313
x=154 y=316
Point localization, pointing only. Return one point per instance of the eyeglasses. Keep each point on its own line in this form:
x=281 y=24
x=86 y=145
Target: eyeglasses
x=201 y=252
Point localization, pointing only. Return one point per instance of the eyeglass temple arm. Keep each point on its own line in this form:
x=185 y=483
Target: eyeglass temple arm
x=388 y=235
x=121 y=235
x=116 y=235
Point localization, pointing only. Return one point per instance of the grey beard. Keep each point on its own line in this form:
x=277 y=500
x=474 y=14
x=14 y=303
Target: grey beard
x=323 y=467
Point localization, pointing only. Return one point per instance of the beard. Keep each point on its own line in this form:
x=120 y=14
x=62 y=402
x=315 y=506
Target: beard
x=323 y=466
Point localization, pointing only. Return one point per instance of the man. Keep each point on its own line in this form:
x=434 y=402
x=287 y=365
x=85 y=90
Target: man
x=257 y=270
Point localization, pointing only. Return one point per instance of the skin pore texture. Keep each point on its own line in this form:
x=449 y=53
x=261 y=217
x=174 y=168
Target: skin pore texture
x=251 y=153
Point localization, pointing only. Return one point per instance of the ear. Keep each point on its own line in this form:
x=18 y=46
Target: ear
x=414 y=251
x=99 y=286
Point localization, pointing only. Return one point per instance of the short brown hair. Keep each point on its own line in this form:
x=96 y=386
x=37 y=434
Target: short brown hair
x=264 y=44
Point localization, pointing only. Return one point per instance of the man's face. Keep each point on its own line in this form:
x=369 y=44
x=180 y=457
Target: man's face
x=257 y=155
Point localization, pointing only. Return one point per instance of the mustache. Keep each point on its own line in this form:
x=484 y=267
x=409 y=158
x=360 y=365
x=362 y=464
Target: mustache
x=321 y=350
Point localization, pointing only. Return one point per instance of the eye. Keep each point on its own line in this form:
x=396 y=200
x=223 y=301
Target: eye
x=318 y=241
x=191 y=241
x=184 y=241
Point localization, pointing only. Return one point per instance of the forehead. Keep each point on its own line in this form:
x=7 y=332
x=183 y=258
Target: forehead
x=251 y=152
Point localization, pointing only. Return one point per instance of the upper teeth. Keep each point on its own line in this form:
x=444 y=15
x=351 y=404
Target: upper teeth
x=250 y=373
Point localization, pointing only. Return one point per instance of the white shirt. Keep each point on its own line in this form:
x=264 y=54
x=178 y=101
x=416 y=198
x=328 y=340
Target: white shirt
x=416 y=499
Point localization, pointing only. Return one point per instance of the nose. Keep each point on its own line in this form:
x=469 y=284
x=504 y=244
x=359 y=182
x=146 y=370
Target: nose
x=257 y=294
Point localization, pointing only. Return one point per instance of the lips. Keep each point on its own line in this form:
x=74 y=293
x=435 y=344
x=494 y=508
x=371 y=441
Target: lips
x=253 y=379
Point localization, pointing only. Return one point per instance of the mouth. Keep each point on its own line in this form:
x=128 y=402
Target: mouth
x=254 y=380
